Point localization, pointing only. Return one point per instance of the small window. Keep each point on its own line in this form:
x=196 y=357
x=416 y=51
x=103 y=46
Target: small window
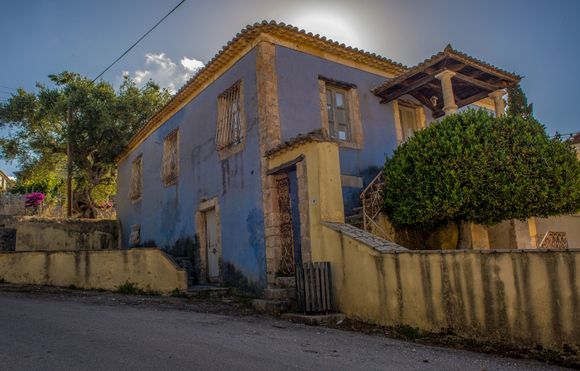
x=230 y=128
x=171 y=158
x=338 y=113
x=136 y=178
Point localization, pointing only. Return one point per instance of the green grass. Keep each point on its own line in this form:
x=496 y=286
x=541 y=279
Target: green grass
x=409 y=332
x=129 y=288
x=177 y=293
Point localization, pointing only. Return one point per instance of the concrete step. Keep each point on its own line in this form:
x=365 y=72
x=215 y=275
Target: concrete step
x=282 y=282
x=315 y=319
x=357 y=210
x=207 y=291
x=352 y=219
x=272 y=306
x=273 y=293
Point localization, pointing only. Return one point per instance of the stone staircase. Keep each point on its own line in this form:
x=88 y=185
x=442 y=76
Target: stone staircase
x=371 y=204
x=356 y=218
x=366 y=217
x=279 y=297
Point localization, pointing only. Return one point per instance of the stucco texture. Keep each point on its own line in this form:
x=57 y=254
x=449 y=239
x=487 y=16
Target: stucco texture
x=515 y=297
x=149 y=269
x=51 y=234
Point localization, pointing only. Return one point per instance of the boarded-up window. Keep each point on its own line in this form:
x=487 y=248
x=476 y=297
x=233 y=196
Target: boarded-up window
x=136 y=178
x=409 y=120
x=337 y=110
x=230 y=127
x=171 y=158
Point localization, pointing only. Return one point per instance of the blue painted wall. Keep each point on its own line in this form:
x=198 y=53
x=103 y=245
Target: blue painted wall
x=300 y=112
x=167 y=214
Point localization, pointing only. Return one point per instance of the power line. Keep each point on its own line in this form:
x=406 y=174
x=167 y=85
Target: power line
x=137 y=42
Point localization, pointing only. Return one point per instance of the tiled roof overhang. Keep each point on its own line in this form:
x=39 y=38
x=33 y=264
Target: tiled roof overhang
x=473 y=81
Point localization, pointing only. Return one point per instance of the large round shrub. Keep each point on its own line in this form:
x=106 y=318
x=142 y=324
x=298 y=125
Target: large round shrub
x=473 y=167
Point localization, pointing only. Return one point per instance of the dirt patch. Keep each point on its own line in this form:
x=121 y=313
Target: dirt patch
x=231 y=303
x=568 y=357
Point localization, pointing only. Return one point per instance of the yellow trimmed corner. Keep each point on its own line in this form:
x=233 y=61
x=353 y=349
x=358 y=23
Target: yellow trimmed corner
x=150 y=269
x=324 y=189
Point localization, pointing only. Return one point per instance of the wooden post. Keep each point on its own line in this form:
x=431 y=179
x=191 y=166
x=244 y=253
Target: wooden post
x=69 y=165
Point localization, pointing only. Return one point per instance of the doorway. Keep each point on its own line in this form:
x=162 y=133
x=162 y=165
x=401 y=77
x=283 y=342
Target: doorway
x=208 y=229
x=290 y=236
x=212 y=248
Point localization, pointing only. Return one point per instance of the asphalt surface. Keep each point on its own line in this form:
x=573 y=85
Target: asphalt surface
x=63 y=334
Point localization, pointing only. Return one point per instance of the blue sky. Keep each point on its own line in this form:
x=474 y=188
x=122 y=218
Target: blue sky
x=536 y=39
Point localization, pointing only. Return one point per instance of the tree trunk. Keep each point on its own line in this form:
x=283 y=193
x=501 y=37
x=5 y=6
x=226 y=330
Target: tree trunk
x=84 y=203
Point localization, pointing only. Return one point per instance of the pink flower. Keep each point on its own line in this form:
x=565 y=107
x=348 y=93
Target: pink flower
x=34 y=199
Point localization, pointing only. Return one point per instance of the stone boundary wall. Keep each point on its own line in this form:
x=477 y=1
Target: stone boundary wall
x=516 y=297
x=150 y=269
x=55 y=234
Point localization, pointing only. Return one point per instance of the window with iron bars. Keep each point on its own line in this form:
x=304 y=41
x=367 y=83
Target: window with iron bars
x=171 y=158
x=136 y=180
x=230 y=127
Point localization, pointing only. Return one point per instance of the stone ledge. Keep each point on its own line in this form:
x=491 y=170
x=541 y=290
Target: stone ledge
x=365 y=237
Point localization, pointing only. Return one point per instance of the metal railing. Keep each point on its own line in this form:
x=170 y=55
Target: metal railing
x=372 y=203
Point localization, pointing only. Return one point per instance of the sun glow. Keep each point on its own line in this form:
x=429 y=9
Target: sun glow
x=327 y=23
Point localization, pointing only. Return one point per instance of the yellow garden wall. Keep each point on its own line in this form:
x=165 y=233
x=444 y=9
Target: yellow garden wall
x=517 y=297
x=150 y=269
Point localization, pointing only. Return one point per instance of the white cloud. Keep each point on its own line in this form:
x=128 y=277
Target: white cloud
x=191 y=64
x=162 y=70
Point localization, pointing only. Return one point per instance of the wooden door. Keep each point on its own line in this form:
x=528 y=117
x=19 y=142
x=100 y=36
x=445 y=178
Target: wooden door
x=213 y=253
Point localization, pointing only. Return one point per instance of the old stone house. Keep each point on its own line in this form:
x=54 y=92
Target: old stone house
x=195 y=181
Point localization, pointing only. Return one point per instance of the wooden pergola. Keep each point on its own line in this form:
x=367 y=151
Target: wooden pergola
x=449 y=80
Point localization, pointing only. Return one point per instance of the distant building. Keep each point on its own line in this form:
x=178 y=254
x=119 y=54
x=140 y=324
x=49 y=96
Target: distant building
x=5 y=181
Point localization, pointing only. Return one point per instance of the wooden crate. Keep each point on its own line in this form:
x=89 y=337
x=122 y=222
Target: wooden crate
x=314 y=288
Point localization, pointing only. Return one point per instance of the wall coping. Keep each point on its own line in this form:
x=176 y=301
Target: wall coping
x=387 y=247
x=364 y=237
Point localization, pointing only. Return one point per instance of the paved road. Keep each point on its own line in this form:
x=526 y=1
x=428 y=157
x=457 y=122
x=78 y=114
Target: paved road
x=58 y=333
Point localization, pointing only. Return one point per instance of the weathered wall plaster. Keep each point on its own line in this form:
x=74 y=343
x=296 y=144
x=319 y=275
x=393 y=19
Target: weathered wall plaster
x=149 y=269
x=41 y=234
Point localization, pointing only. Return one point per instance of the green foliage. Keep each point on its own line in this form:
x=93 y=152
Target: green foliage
x=518 y=103
x=103 y=121
x=472 y=167
x=177 y=293
x=129 y=288
x=409 y=332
